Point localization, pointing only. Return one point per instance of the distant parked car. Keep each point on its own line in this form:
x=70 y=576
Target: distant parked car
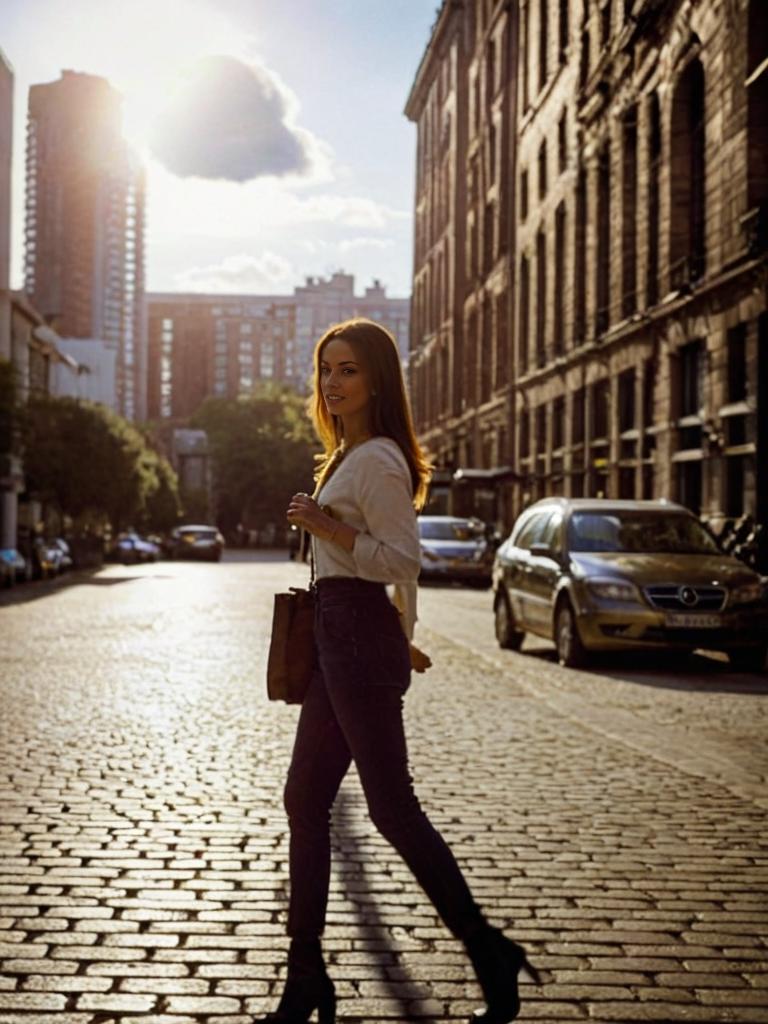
x=12 y=567
x=455 y=548
x=65 y=561
x=130 y=548
x=190 y=541
x=601 y=575
x=46 y=559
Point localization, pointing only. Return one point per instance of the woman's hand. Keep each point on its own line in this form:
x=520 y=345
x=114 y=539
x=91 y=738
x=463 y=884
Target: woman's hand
x=304 y=512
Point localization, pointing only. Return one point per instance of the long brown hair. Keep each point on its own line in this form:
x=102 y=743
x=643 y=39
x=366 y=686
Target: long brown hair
x=390 y=412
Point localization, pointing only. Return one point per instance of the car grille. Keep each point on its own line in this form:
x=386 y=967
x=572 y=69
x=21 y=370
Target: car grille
x=675 y=597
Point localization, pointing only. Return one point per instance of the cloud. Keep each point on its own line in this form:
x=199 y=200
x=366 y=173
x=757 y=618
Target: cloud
x=232 y=121
x=241 y=273
x=194 y=206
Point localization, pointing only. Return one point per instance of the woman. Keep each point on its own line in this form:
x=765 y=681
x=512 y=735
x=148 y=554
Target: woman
x=363 y=524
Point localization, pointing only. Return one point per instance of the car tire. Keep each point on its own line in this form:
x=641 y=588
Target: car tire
x=748 y=659
x=509 y=638
x=571 y=652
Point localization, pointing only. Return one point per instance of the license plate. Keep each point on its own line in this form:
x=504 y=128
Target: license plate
x=693 y=621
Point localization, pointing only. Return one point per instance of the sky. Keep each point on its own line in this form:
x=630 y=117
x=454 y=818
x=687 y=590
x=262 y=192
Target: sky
x=272 y=131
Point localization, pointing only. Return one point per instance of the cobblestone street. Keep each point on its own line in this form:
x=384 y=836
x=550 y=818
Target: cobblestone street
x=613 y=819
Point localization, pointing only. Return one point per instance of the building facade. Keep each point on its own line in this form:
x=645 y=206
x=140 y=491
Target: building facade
x=224 y=345
x=463 y=102
x=84 y=230
x=638 y=359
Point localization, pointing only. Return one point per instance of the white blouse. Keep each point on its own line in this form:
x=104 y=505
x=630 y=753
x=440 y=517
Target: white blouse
x=372 y=491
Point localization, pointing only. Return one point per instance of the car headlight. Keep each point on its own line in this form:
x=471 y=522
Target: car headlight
x=747 y=593
x=613 y=590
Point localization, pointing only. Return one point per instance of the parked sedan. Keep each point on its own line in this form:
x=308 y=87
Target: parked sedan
x=130 y=549
x=453 y=548
x=599 y=575
x=196 y=542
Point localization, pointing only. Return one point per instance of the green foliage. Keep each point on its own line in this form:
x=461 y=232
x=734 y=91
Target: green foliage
x=262 y=446
x=93 y=464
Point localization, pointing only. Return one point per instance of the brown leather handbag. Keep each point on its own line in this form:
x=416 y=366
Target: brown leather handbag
x=292 y=656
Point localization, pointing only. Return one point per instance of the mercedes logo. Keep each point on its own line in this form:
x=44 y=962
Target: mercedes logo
x=688 y=596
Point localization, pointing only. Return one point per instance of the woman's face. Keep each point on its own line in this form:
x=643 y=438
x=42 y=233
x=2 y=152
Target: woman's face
x=343 y=381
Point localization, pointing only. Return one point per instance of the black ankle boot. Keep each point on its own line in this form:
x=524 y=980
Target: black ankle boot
x=497 y=961
x=307 y=988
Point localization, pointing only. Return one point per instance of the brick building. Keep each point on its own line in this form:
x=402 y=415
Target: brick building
x=203 y=345
x=638 y=357
x=84 y=228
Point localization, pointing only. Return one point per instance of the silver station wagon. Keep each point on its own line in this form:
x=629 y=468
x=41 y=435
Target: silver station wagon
x=601 y=575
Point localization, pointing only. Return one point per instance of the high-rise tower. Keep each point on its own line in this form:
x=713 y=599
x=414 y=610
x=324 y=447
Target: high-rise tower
x=84 y=232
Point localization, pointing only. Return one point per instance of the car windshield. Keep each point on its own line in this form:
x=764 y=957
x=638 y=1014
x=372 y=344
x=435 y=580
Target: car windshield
x=203 y=534
x=636 y=532
x=453 y=529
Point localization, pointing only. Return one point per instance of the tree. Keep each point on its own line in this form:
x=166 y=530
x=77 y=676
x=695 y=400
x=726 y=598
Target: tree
x=262 y=446
x=92 y=464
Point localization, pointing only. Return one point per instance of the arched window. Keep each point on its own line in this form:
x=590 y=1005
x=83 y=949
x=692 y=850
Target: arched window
x=687 y=250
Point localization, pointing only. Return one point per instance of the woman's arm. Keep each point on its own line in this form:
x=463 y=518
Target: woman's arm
x=388 y=550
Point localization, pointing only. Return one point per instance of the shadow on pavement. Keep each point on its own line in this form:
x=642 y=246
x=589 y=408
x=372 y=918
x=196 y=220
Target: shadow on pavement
x=370 y=919
x=23 y=593
x=669 y=672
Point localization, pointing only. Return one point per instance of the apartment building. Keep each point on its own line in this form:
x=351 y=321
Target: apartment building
x=224 y=345
x=638 y=198
x=84 y=224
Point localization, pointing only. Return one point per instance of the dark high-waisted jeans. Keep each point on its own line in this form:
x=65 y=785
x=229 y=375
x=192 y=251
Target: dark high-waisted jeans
x=353 y=712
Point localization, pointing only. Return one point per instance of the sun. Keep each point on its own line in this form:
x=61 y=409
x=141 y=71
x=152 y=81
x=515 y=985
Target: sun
x=145 y=49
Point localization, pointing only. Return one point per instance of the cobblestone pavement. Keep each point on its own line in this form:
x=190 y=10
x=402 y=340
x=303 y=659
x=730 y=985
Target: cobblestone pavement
x=144 y=845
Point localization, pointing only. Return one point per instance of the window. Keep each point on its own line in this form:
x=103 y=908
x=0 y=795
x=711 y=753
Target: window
x=691 y=369
x=737 y=363
x=627 y=400
x=541 y=298
x=525 y=315
x=654 y=167
x=563 y=30
x=602 y=310
x=558 y=423
x=543 y=42
x=559 y=297
x=523 y=195
x=584 y=63
x=580 y=258
x=543 y=169
x=687 y=175
x=577 y=417
x=530 y=530
x=629 y=214
x=562 y=142
x=600 y=402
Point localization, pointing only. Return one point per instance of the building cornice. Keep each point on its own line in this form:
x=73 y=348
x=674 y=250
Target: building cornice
x=426 y=70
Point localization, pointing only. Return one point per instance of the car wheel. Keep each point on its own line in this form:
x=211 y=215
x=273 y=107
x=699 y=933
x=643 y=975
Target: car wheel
x=570 y=650
x=507 y=635
x=748 y=659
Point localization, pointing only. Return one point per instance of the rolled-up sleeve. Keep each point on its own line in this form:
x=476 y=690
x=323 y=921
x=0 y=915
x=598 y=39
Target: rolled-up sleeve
x=388 y=550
